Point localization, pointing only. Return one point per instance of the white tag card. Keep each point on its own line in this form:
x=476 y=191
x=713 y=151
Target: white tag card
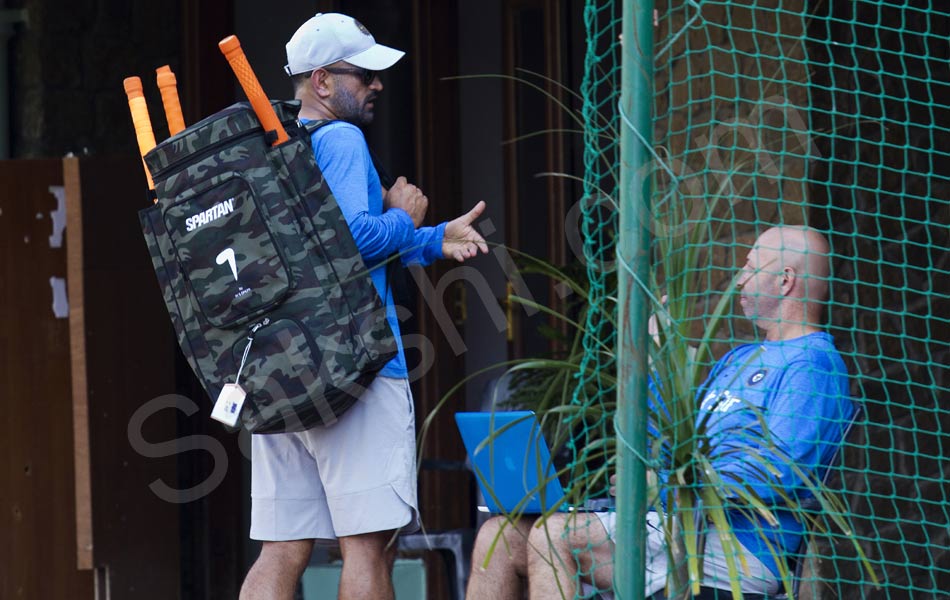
x=227 y=408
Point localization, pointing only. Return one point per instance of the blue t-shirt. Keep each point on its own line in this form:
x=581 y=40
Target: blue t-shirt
x=799 y=387
x=343 y=156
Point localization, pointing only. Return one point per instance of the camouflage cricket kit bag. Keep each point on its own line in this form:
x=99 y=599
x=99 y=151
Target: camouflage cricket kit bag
x=260 y=274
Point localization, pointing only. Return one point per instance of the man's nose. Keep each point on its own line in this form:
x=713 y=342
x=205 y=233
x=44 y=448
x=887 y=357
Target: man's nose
x=741 y=278
x=377 y=85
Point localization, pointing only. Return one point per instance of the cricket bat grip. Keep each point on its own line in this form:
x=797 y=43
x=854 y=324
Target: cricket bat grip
x=140 y=120
x=231 y=48
x=168 y=86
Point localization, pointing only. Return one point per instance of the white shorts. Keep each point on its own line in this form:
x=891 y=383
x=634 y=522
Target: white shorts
x=355 y=476
x=657 y=564
x=715 y=572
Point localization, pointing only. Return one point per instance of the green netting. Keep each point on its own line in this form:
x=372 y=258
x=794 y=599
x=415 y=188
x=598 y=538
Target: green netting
x=833 y=114
x=596 y=376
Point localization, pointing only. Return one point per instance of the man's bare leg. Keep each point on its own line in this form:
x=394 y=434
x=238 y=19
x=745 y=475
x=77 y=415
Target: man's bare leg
x=367 y=566
x=277 y=570
x=502 y=578
x=555 y=556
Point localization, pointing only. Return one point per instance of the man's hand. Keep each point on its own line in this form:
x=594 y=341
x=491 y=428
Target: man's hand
x=653 y=326
x=461 y=241
x=652 y=485
x=409 y=198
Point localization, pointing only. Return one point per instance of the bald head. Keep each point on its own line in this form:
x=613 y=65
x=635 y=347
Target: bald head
x=804 y=252
x=785 y=281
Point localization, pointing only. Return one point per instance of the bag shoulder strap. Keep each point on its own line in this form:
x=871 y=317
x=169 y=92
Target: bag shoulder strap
x=395 y=277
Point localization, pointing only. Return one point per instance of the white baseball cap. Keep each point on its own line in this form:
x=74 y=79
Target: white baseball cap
x=330 y=37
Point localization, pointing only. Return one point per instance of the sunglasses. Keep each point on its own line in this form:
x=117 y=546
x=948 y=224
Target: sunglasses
x=365 y=75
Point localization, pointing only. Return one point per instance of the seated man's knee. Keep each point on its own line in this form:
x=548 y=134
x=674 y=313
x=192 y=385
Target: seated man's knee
x=507 y=537
x=491 y=527
x=580 y=537
x=487 y=534
x=549 y=531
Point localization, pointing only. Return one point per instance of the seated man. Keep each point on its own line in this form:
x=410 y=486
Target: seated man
x=796 y=380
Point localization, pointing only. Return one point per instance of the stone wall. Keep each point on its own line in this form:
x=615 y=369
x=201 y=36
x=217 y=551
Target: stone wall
x=67 y=67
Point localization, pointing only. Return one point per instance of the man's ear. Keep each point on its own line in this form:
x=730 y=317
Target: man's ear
x=321 y=83
x=789 y=279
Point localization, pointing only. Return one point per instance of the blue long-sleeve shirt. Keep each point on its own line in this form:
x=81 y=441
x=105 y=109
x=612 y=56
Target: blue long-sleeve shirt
x=343 y=156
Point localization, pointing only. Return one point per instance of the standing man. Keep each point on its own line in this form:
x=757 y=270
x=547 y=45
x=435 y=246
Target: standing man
x=795 y=380
x=355 y=481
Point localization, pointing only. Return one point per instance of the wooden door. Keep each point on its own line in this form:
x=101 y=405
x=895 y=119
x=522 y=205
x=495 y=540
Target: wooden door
x=125 y=414
x=537 y=58
x=38 y=556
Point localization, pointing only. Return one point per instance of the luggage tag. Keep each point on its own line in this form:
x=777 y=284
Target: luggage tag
x=227 y=408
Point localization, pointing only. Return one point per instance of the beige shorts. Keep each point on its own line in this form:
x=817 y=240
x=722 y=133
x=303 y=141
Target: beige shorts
x=355 y=476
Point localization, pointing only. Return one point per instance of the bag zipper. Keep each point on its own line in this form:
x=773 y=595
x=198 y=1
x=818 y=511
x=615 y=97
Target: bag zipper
x=176 y=166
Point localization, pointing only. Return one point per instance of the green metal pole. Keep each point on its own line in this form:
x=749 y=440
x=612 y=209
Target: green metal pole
x=636 y=103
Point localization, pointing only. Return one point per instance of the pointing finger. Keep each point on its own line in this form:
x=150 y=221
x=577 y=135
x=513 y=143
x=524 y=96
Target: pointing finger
x=476 y=212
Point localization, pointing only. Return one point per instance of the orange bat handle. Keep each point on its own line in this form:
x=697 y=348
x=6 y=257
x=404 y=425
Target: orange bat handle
x=140 y=120
x=231 y=48
x=168 y=86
